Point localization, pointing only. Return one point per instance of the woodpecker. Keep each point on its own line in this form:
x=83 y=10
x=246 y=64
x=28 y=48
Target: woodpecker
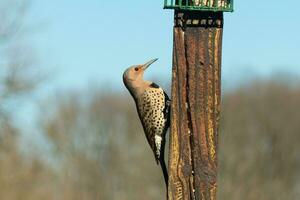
x=153 y=107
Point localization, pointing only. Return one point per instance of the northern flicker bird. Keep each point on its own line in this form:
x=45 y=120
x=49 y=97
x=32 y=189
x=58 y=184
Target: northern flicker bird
x=153 y=107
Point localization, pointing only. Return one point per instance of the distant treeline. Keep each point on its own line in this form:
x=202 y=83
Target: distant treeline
x=95 y=148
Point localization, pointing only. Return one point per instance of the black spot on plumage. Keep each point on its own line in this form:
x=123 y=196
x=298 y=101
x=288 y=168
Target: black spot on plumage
x=154 y=85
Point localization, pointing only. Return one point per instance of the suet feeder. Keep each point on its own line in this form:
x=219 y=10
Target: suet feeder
x=200 y=5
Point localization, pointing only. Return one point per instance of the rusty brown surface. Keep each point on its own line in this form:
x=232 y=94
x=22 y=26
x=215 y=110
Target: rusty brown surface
x=196 y=77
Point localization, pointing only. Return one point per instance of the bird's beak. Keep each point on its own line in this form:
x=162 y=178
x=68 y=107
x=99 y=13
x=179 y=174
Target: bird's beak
x=146 y=65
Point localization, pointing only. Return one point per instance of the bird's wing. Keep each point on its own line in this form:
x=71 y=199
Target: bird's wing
x=167 y=109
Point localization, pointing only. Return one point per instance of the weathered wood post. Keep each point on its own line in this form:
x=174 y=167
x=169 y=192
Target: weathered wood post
x=196 y=95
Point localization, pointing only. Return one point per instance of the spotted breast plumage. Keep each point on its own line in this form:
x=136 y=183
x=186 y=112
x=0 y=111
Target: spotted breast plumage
x=154 y=111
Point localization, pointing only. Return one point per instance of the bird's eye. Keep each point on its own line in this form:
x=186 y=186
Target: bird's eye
x=136 y=69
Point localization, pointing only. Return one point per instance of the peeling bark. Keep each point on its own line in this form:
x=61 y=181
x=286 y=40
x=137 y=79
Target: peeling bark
x=196 y=80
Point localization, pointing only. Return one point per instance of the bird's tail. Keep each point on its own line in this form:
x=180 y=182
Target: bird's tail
x=165 y=173
x=163 y=164
x=164 y=170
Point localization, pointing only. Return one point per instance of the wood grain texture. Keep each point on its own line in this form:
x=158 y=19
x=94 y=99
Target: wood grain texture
x=196 y=77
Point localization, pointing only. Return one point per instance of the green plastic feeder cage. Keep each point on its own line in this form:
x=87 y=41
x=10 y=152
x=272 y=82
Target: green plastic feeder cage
x=200 y=5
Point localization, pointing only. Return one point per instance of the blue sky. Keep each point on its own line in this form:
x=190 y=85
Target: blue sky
x=92 y=41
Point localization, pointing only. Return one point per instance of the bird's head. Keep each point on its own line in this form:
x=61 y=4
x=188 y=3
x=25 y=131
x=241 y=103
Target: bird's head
x=133 y=76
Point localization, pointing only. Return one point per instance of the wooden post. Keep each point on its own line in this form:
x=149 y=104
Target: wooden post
x=195 y=111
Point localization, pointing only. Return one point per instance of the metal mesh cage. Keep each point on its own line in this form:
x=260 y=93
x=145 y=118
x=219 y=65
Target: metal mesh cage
x=202 y=5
